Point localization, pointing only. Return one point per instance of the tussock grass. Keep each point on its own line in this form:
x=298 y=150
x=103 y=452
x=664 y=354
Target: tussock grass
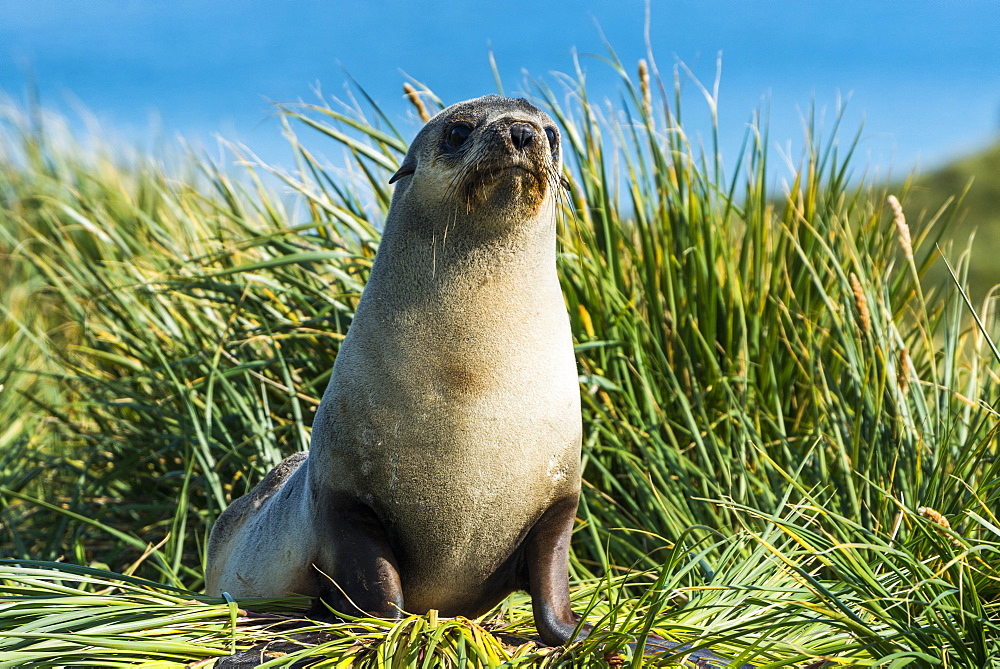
x=790 y=441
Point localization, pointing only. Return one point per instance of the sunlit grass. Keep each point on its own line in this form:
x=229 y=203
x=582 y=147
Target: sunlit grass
x=790 y=442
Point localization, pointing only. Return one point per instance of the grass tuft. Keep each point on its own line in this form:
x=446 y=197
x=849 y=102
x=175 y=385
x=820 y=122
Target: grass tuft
x=790 y=433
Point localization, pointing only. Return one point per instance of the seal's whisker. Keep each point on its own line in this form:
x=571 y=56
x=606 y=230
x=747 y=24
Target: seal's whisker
x=447 y=227
x=434 y=253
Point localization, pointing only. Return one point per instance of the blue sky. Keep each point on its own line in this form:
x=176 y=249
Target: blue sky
x=923 y=76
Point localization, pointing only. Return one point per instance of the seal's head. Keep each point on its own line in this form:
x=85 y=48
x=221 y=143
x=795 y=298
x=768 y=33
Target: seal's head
x=492 y=155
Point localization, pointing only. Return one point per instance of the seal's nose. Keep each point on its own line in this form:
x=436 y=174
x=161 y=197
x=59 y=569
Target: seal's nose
x=522 y=135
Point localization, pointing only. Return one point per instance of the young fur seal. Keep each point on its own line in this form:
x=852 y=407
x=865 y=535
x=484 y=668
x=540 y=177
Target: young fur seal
x=444 y=468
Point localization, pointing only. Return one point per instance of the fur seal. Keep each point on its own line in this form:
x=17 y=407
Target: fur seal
x=444 y=466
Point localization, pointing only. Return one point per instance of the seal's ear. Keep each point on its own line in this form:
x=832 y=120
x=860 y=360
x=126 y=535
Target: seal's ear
x=408 y=167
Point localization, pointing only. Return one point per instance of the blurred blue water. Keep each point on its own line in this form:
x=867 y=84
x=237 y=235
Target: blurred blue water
x=924 y=76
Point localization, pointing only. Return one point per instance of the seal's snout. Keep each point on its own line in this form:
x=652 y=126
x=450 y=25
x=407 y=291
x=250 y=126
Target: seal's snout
x=522 y=135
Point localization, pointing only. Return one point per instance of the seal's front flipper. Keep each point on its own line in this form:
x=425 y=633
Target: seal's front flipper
x=357 y=572
x=547 y=558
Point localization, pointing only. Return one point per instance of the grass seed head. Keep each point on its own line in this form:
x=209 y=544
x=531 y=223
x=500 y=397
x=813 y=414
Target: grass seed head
x=414 y=97
x=901 y=227
x=905 y=370
x=647 y=96
x=864 y=315
x=933 y=516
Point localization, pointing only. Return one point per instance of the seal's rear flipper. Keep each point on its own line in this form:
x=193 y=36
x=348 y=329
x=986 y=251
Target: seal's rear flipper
x=703 y=657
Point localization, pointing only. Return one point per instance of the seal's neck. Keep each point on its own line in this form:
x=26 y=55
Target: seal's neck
x=441 y=308
x=463 y=258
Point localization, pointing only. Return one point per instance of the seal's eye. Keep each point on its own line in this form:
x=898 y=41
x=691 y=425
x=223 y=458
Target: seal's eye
x=553 y=138
x=458 y=134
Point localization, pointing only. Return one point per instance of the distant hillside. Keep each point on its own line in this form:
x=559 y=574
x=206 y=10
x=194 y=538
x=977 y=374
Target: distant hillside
x=979 y=212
